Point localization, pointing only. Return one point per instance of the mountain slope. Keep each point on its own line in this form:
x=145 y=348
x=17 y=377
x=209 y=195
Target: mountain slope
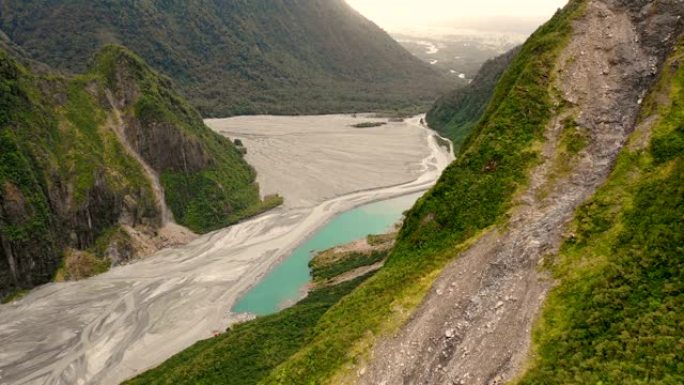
x=616 y=315
x=236 y=57
x=472 y=195
x=474 y=325
x=208 y=185
x=78 y=169
x=455 y=114
x=546 y=179
x=443 y=223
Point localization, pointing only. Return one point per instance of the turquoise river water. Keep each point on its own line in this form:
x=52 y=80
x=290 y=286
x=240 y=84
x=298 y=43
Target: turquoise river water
x=283 y=285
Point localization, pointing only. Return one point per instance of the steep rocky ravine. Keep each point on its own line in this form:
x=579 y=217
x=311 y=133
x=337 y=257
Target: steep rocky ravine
x=474 y=327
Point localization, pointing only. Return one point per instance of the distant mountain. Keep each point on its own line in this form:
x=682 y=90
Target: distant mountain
x=88 y=163
x=234 y=56
x=456 y=113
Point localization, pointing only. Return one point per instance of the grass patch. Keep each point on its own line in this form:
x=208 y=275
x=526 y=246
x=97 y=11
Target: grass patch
x=269 y=202
x=15 y=295
x=336 y=261
x=381 y=239
x=246 y=353
x=322 y=271
x=80 y=265
x=574 y=138
x=369 y=124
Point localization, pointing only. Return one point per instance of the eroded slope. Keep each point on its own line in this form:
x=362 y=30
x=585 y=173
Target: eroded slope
x=616 y=313
x=474 y=327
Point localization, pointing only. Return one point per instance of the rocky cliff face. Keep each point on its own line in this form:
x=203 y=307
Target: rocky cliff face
x=145 y=127
x=88 y=163
x=64 y=182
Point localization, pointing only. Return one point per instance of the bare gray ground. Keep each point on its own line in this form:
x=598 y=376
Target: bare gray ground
x=108 y=328
x=329 y=160
x=474 y=326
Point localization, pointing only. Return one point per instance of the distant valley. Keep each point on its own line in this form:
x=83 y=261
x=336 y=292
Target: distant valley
x=177 y=179
x=459 y=57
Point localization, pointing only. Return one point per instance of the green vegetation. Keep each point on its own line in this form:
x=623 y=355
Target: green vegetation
x=616 y=316
x=208 y=184
x=369 y=124
x=89 y=147
x=381 y=239
x=52 y=141
x=322 y=271
x=15 y=295
x=202 y=203
x=237 y=57
x=66 y=178
x=329 y=264
x=474 y=193
x=80 y=265
x=269 y=202
x=246 y=353
x=457 y=113
x=574 y=138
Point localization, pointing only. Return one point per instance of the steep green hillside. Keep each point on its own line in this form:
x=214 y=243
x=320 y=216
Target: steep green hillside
x=208 y=185
x=455 y=114
x=472 y=194
x=64 y=176
x=68 y=181
x=236 y=57
x=616 y=316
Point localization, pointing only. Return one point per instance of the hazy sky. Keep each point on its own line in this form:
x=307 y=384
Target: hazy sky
x=402 y=15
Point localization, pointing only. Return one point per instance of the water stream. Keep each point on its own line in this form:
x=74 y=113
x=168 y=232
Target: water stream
x=284 y=284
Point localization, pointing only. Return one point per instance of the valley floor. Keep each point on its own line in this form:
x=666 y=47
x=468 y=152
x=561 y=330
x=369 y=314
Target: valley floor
x=113 y=326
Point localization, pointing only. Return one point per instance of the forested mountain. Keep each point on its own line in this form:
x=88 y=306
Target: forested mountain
x=456 y=113
x=573 y=172
x=85 y=160
x=235 y=56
